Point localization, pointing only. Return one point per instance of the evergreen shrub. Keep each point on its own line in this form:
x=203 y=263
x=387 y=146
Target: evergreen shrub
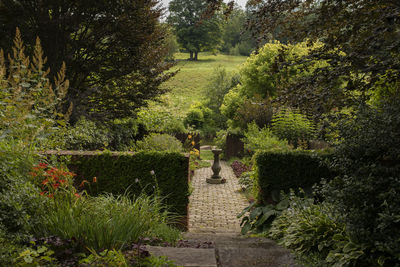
x=283 y=170
x=136 y=173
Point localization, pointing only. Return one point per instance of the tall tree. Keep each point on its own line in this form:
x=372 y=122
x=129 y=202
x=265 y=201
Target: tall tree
x=113 y=49
x=194 y=32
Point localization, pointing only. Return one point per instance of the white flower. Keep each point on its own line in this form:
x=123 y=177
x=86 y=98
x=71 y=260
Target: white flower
x=136 y=180
x=152 y=172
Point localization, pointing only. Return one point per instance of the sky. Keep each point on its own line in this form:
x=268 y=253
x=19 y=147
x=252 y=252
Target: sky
x=241 y=3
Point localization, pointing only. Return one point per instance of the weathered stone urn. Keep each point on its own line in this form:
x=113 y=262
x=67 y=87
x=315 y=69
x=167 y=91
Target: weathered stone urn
x=216 y=168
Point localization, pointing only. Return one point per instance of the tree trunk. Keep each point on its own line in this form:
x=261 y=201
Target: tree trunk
x=195 y=55
x=191 y=55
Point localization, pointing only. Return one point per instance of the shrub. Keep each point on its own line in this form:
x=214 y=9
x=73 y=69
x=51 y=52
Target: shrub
x=200 y=117
x=284 y=170
x=292 y=126
x=261 y=217
x=160 y=120
x=85 y=135
x=367 y=190
x=314 y=229
x=123 y=133
x=240 y=110
x=159 y=142
x=135 y=173
x=262 y=139
x=19 y=201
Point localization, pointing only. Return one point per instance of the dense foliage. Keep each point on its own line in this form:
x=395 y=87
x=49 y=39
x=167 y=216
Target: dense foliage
x=360 y=45
x=293 y=126
x=237 y=40
x=141 y=172
x=29 y=104
x=284 y=170
x=114 y=50
x=256 y=139
x=316 y=234
x=367 y=191
x=159 y=142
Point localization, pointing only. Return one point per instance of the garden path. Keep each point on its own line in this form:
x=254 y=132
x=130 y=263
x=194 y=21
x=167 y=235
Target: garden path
x=214 y=229
x=213 y=207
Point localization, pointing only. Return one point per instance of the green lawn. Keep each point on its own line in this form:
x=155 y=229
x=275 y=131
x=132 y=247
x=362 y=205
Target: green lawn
x=188 y=84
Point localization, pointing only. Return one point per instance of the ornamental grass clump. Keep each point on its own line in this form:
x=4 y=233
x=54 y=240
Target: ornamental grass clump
x=103 y=222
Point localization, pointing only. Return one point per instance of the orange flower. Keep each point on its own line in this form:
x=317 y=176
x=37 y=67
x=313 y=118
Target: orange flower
x=83 y=183
x=189 y=136
x=193 y=143
x=94 y=179
x=77 y=195
x=46 y=181
x=42 y=193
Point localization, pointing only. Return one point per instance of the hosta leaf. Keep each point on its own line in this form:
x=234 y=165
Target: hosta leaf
x=265 y=217
x=246 y=228
x=255 y=213
x=246 y=210
x=282 y=205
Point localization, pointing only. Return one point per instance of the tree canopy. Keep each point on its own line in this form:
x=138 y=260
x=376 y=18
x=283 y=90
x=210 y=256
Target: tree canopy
x=193 y=31
x=361 y=39
x=114 y=50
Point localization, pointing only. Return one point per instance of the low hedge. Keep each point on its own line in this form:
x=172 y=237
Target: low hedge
x=281 y=171
x=118 y=173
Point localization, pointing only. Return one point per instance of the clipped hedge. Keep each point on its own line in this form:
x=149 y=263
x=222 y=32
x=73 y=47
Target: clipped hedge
x=118 y=173
x=281 y=171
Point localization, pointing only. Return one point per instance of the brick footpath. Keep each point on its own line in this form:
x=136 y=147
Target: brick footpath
x=213 y=207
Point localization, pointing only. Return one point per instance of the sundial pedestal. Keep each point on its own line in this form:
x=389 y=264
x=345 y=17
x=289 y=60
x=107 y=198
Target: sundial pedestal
x=216 y=168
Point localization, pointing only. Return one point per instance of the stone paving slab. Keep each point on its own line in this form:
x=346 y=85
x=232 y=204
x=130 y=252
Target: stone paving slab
x=188 y=257
x=213 y=207
x=234 y=250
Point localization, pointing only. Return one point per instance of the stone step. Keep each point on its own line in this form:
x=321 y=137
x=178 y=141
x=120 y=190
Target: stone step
x=235 y=250
x=188 y=257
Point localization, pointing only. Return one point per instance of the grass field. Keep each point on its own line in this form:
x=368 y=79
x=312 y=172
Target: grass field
x=188 y=84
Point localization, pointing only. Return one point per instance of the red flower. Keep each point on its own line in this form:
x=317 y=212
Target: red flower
x=94 y=179
x=51 y=196
x=42 y=193
x=46 y=181
x=62 y=181
x=42 y=165
x=55 y=186
x=77 y=195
